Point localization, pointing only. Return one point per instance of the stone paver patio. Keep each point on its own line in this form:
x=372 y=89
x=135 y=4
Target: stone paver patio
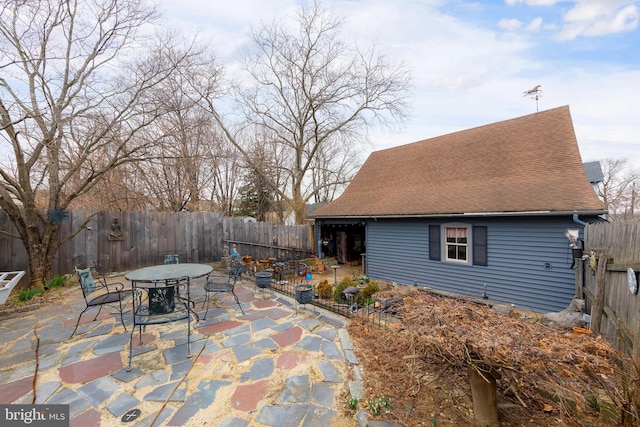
x=269 y=367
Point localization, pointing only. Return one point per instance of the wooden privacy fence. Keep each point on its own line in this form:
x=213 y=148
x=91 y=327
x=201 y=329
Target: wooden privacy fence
x=122 y=241
x=612 y=248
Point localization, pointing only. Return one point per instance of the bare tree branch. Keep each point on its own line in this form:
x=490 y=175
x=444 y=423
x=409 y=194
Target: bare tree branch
x=312 y=94
x=77 y=103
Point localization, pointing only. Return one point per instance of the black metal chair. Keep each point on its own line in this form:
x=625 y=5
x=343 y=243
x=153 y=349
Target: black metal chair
x=215 y=285
x=159 y=303
x=171 y=259
x=97 y=292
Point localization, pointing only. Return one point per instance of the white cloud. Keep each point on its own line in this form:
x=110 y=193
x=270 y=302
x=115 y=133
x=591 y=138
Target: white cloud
x=533 y=2
x=510 y=24
x=535 y=25
x=226 y=27
x=596 y=18
x=515 y=24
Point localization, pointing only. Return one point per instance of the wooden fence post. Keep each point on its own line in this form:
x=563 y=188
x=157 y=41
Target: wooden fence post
x=598 y=304
x=579 y=278
x=635 y=353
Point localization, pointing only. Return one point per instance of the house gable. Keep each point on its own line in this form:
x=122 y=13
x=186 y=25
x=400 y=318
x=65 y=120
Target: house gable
x=523 y=165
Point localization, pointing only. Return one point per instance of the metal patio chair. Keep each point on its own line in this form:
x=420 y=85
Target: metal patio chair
x=215 y=285
x=171 y=259
x=158 y=303
x=97 y=292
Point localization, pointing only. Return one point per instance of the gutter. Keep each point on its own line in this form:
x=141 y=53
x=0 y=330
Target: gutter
x=468 y=214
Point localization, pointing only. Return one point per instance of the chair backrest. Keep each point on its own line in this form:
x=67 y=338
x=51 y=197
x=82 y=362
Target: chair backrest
x=87 y=282
x=236 y=270
x=171 y=259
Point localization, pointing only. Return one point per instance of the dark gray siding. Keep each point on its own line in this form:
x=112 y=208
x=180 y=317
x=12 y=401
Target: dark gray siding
x=529 y=260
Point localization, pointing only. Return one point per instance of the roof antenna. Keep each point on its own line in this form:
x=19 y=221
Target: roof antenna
x=534 y=93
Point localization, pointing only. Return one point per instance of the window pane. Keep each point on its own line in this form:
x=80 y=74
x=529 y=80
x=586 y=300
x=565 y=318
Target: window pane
x=456 y=233
x=462 y=253
x=451 y=252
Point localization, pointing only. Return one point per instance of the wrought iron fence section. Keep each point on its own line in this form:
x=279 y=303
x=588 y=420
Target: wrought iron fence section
x=372 y=312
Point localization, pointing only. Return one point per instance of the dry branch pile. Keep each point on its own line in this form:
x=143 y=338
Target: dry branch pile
x=541 y=370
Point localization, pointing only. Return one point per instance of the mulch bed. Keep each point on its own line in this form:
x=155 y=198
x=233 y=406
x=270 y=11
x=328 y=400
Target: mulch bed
x=546 y=375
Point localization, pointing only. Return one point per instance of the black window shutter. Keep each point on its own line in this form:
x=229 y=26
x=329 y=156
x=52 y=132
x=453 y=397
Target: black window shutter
x=434 y=242
x=479 y=245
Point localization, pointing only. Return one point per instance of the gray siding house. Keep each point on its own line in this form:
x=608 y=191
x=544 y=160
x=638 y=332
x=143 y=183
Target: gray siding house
x=481 y=212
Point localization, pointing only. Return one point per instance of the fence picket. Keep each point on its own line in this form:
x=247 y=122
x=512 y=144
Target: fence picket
x=620 y=244
x=145 y=235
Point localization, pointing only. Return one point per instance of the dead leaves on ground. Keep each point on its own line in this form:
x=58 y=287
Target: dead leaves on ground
x=545 y=370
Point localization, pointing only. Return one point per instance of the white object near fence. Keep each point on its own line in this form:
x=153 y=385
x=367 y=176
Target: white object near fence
x=8 y=280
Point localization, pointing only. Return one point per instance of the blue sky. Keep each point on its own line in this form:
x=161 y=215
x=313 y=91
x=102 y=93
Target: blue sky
x=471 y=61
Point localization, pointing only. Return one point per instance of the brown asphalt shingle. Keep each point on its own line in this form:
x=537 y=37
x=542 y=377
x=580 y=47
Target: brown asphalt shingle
x=527 y=164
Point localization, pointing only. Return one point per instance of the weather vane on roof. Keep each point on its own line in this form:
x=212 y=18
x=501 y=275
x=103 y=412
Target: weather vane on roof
x=534 y=93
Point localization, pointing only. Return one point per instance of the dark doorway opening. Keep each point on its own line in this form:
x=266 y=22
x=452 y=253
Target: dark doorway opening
x=345 y=242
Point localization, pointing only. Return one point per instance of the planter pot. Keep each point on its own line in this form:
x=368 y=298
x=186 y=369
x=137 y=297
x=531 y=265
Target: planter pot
x=304 y=294
x=263 y=280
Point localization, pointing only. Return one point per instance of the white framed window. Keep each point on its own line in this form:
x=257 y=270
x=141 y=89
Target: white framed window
x=459 y=243
x=456 y=240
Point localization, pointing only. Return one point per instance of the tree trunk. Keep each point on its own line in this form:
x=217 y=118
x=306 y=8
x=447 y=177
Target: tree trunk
x=483 y=392
x=597 y=309
x=298 y=206
x=41 y=250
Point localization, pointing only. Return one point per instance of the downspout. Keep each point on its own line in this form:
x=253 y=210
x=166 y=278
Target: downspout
x=578 y=220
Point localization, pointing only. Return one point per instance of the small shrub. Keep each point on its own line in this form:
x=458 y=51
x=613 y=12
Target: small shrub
x=364 y=297
x=28 y=294
x=324 y=289
x=353 y=403
x=344 y=284
x=58 y=282
x=379 y=404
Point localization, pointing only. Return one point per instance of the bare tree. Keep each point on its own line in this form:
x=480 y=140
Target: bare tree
x=332 y=170
x=619 y=189
x=184 y=169
x=315 y=96
x=75 y=104
x=226 y=177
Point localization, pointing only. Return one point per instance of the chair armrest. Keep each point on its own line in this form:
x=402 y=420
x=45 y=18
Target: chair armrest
x=114 y=287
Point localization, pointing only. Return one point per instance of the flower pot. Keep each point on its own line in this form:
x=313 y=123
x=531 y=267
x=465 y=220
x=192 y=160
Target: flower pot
x=304 y=294
x=263 y=279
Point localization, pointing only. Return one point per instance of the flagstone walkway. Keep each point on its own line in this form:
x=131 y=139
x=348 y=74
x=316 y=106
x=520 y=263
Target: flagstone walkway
x=273 y=366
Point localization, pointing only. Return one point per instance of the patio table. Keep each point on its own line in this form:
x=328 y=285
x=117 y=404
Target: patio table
x=156 y=273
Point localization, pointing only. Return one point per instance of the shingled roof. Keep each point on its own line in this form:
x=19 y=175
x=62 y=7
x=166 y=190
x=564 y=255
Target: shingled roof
x=527 y=164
